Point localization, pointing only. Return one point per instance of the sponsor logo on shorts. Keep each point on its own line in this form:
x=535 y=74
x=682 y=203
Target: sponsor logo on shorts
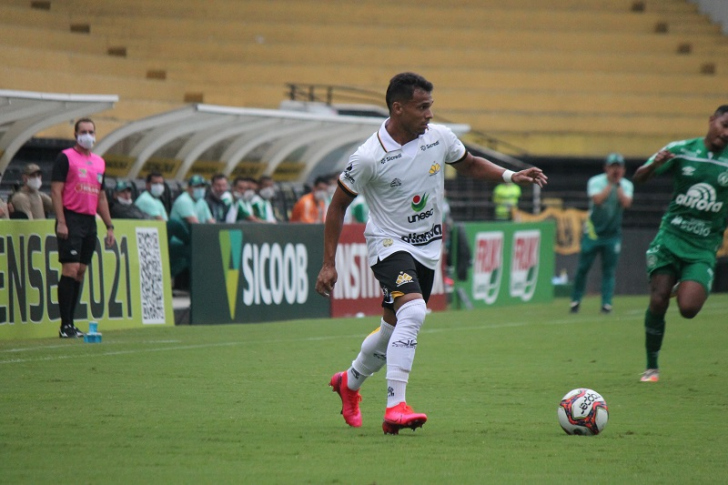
x=387 y=242
x=419 y=202
x=435 y=169
x=424 y=238
x=403 y=279
x=701 y=197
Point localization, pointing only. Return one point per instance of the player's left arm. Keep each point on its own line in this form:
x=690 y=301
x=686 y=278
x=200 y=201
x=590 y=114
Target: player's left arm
x=102 y=207
x=481 y=168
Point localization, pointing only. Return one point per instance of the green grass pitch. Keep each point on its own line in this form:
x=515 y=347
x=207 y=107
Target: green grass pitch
x=250 y=403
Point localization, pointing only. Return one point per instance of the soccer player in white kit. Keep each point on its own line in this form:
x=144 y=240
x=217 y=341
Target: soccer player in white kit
x=400 y=171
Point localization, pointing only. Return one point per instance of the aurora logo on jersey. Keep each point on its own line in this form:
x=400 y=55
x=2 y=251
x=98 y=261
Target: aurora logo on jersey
x=419 y=202
x=701 y=197
x=424 y=238
x=488 y=266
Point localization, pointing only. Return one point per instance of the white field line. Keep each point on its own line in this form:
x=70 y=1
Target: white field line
x=575 y=319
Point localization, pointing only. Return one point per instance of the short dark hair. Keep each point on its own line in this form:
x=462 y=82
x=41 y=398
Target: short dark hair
x=217 y=177
x=321 y=179
x=151 y=175
x=402 y=87
x=723 y=109
x=264 y=178
x=83 y=120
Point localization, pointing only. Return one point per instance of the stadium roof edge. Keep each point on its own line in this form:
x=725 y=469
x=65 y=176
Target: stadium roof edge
x=25 y=113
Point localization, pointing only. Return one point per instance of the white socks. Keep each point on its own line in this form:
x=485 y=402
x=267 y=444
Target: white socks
x=401 y=350
x=371 y=358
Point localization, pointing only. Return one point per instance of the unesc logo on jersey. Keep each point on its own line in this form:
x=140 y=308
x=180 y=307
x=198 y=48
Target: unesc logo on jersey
x=524 y=264
x=488 y=266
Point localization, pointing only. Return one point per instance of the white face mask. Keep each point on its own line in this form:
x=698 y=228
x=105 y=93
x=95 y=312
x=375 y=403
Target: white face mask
x=248 y=195
x=86 y=140
x=267 y=193
x=331 y=190
x=123 y=201
x=34 y=183
x=157 y=190
x=198 y=193
x=321 y=194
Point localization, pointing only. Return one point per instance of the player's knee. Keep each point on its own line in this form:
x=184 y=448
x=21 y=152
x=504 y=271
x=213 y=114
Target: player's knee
x=412 y=314
x=690 y=311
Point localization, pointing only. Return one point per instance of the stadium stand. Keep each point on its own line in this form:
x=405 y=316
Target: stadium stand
x=557 y=77
x=546 y=80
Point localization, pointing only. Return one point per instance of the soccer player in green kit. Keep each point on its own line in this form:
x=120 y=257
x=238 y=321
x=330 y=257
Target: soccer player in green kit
x=684 y=251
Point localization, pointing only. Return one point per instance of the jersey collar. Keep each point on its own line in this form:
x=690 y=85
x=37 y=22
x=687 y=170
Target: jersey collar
x=386 y=140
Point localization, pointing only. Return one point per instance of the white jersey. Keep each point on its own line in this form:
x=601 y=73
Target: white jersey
x=404 y=186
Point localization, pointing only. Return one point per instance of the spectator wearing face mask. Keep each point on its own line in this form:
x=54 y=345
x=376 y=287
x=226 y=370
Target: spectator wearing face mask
x=262 y=206
x=244 y=194
x=218 y=198
x=311 y=208
x=150 y=201
x=122 y=206
x=190 y=205
x=29 y=200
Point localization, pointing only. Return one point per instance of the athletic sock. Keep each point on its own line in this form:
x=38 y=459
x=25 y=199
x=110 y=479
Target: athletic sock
x=372 y=357
x=401 y=348
x=65 y=300
x=76 y=297
x=654 y=333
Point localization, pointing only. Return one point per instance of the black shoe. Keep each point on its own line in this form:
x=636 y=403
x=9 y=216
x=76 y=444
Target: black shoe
x=606 y=309
x=69 y=331
x=574 y=307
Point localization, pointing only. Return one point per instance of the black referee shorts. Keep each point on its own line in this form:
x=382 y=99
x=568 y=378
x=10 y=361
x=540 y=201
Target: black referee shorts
x=401 y=274
x=82 y=238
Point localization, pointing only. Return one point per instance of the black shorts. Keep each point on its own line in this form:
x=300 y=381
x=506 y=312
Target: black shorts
x=82 y=238
x=401 y=274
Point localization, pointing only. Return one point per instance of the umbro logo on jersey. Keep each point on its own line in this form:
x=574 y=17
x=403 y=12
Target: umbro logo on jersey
x=435 y=169
x=396 y=183
x=403 y=279
x=688 y=171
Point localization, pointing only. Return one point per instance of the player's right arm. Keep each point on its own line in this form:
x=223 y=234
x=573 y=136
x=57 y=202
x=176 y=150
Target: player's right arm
x=58 y=181
x=647 y=171
x=332 y=231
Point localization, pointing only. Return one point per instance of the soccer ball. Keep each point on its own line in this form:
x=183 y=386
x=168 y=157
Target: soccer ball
x=583 y=412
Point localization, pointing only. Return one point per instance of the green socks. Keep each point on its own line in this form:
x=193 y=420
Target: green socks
x=654 y=332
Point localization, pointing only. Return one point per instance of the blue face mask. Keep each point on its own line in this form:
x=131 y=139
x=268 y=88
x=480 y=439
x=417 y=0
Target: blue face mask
x=198 y=193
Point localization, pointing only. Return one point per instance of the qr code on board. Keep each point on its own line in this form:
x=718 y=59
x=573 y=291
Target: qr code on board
x=151 y=276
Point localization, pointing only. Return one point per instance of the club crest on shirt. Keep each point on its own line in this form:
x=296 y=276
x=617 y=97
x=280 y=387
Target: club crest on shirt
x=723 y=179
x=435 y=169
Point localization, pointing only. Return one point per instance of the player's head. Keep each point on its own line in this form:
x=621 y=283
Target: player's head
x=84 y=125
x=614 y=166
x=409 y=98
x=717 y=137
x=402 y=88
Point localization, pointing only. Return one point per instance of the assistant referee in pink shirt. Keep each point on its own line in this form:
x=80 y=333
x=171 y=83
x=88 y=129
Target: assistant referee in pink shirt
x=77 y=191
